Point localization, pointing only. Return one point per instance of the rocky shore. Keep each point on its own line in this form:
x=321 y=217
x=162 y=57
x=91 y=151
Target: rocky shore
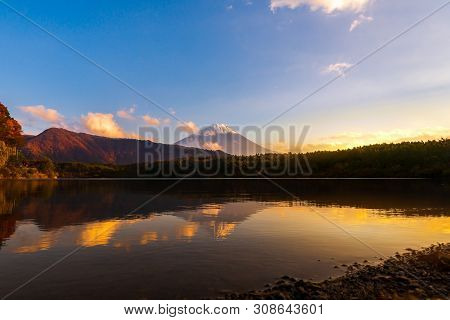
x=417 y=274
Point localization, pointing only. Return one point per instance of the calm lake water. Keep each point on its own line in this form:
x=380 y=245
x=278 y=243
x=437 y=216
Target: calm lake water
x=203 y=238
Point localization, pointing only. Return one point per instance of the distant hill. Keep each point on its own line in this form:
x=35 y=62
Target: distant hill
x=222 y=137
x=62 y=145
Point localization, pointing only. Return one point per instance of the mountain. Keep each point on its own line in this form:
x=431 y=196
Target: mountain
x=62 y=145
x=222 y=137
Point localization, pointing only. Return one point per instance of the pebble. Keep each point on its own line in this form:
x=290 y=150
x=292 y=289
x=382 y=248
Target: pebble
x=391 y=279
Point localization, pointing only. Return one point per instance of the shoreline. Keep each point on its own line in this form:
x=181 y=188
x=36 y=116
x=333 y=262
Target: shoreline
x=205 y=179
x=417 y=274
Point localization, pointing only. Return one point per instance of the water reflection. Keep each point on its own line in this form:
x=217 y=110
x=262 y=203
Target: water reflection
x=215 y=221
x=232 y=235
x=101 y=207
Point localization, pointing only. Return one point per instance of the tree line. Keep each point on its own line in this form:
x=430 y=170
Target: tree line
x=430 y=159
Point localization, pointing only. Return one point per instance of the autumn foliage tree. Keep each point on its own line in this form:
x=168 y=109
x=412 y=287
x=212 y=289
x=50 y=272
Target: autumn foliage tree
x=10 y=129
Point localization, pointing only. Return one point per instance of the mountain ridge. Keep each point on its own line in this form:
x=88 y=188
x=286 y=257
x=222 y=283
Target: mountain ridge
x=61 y=145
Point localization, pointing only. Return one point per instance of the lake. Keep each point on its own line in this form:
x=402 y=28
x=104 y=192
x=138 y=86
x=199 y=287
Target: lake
x=200 y=239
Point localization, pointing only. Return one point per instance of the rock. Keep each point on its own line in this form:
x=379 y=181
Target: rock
x=419 y=274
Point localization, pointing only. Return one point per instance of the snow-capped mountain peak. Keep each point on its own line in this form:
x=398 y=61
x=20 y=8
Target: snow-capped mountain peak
x=214 y=129
x=219 y=136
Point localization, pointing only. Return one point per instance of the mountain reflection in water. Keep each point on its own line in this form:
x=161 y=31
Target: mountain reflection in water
x=201 y=237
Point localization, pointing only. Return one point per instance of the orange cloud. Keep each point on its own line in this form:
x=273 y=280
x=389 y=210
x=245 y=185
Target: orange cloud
x=126 y=113
x=43 y=113
x=103 y=124
x=188 y=126
x=151 y=121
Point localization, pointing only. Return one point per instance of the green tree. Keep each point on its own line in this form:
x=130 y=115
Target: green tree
x=10 y=129
x=47 y=167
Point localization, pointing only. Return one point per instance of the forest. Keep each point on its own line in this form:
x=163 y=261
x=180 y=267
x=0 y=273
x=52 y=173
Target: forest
x=429 y=159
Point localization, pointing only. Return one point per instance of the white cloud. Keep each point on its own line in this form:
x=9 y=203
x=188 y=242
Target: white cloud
x=43 y=113
x=151 y=121
x=229 y=7
x=126 y=113
x=358 y=21
x=188 y=126
x=338 y=68
x=103 y=124
x=327 y=6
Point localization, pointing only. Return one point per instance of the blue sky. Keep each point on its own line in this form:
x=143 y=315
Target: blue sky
x=238 y=62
